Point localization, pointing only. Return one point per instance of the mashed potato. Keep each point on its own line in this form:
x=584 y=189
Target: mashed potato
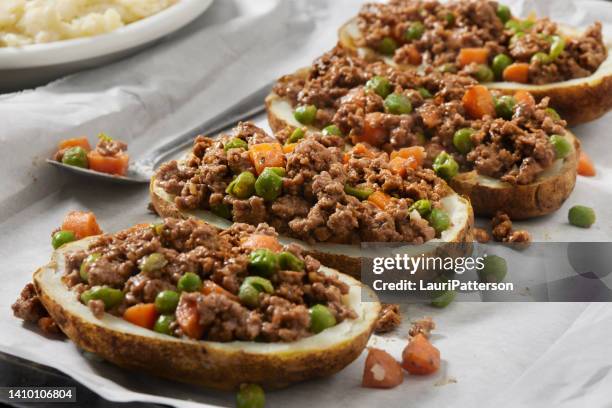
x=24 y=22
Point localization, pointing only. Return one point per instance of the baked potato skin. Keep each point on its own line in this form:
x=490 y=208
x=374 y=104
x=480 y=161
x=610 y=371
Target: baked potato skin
x=522 y=201
x=198 y=362
x=577 y=103
x=276 y=123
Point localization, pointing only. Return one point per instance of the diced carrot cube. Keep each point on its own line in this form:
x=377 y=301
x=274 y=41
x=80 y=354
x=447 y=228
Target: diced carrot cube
x=288 y=148
x=585 y=165
x=82 y=223
x=143 y=315
x=517 y=72
x=415 y=155
x=267 y=155
x=478 y=102
x=472 y=55
x=381 y=370
x=262 y=241
x=116 y=165
x=188 y=318
x=379 y=199
x=420 y=357
x=75 y=142
x=524 y=97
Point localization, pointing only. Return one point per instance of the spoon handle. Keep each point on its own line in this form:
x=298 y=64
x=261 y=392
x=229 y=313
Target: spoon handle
x=248 y=107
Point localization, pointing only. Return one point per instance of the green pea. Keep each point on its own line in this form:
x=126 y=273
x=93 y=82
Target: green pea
x=449 y=18
x=556 y=47
x=561 y=145
x=361 y=193
x=296 y=135
x=83 y=270
x=189 y=282
x=269 y=184
x=439 y=220
x=398 y=104
x=166 y=301
x=415 y=31
x=500 y=63
x=462 y=140
x=290 y=262
x=62 y=237
x=222 y=210
x=449 y=67
x=163 y=324
x=444 y=299
x=76 y=156
x=321 y=318
x=513 y=25
x=251 y=288
x=387 y=46
x=243 y=186
x=158 y=228
x=263 y=262
x=445 y=166
x=484 y=74
x=236 y=143
x=504 y=107
x=425 y=94
x=553 y=113
x=332 y=130
x=250 y=396
x=248 y=295
x=422 y=206
x=494 y=269
x=581 y=216
x=259 y=283
x=540 y=57
x=380 y=85
x=504 y=13
x=152 y=262
x=305 y=114
x=519 y=26
x=111 y=297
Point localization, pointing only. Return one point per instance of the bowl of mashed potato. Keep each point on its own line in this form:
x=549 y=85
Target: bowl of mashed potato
x=41 y=40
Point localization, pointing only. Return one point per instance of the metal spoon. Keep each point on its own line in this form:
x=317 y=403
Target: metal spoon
x=140 y=171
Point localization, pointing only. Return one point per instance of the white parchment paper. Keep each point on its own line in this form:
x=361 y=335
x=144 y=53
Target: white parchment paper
x=494 y=354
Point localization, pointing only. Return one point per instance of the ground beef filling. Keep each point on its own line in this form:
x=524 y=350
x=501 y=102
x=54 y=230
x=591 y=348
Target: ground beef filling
x=222 y=261
x=451 y=26
x=29 y=308
x=314 y=204
x=515 y=149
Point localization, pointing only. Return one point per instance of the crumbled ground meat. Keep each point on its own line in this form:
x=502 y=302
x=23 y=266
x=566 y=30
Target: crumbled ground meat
x=97 y=308
x=454 y=25
x=516 y=149
x=389 y=318
x=481 y=235
x=48 y=326
x=28 y=306
x=221 y=260
x=314 y=205
x=503 y=232
x=423 y=326
x=110 y=147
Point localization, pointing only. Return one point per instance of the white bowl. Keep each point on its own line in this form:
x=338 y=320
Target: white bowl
x=37 y=64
